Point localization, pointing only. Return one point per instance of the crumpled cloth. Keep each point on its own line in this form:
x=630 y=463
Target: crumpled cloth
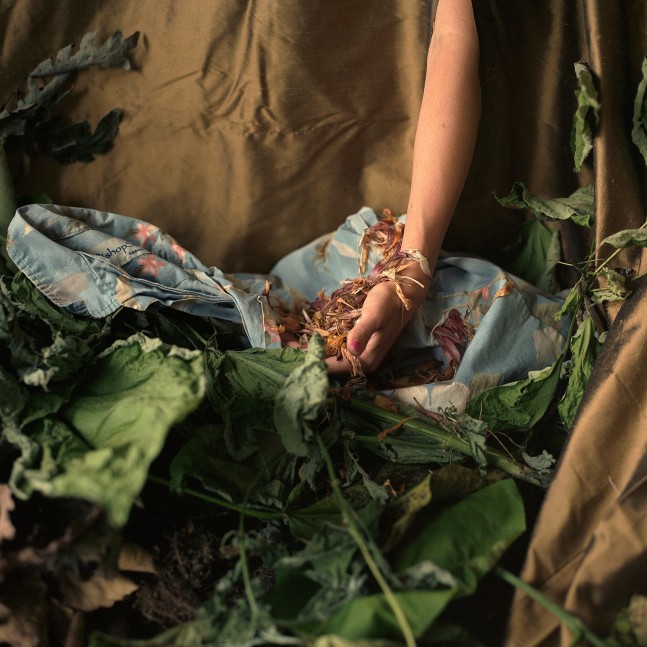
x=92 y=263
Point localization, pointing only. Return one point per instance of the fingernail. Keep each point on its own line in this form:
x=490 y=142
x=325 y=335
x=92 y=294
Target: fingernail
x=356 y=346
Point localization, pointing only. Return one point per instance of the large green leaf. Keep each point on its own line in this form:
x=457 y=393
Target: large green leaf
x=370 y=616
x=518 y=405
x=264 y=477
x=300 y=401
x=243 y=387
x=468 y=538
x=118 y=422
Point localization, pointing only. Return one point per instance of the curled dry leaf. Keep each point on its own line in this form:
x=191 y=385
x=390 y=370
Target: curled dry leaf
x=453 y=334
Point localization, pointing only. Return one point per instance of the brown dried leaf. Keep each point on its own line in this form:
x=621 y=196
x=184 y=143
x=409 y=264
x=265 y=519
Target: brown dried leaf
x=385 y=432
x=97 y=592
x=505 y=291
x=382 y=402
x=135 y=559
x=7 y=530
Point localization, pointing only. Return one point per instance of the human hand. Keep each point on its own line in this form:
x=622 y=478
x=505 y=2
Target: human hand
x=383 y=318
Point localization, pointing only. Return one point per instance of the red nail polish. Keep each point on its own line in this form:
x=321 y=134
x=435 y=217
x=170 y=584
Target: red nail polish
x=356 y=346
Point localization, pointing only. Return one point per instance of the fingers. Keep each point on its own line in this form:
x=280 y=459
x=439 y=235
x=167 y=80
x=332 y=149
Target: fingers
x=375 y=332
x=361 y=333
x=370 y=359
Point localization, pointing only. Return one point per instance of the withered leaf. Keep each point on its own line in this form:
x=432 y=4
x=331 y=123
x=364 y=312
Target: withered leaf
x=7 y=530
x=99 y=591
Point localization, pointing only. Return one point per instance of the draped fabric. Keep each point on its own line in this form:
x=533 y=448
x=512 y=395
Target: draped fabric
x=252 y=127
x=589 y=548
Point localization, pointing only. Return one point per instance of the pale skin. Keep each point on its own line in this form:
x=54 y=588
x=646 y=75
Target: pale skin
x=443 y=149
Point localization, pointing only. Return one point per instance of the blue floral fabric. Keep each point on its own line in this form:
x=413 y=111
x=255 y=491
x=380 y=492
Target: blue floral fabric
x=515 y=327
x=93 y=263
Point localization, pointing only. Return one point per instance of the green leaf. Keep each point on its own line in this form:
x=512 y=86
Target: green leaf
x=468 y=538
x=45 y=344
x=535 y=255
x=588 y=110
x=578 y=207
x=639 y=131
x=518 y=405
x=375 y=491
x=321 y=577
x=336 y=641
x=573 y=303
x=615 y=286
x=305 y=522
x=264 y=477
x=585 y=349
x=627 y=238
x=300 y=401
x=13 y=397
x=630 y=626
x=242 y=387
x=370 y=617
x=400 y=514
x=119 y=420
x=541 y=463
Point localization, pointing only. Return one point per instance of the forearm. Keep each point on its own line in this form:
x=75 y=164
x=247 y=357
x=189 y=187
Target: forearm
x=447 y=127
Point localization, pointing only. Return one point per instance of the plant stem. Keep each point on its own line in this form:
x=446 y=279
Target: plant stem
x=247 y=580
x=572 y=622
x=349 y=517
x=251 y=512
x=444 y=439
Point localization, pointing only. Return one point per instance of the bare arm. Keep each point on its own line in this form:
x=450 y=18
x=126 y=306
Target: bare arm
x=447 y=127
x=443 y=150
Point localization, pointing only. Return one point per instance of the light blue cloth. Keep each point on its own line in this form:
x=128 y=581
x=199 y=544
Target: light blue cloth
x=515 y=329
x=93 y=262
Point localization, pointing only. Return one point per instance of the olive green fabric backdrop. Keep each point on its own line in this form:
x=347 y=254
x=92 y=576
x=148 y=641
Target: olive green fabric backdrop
x=253 y=126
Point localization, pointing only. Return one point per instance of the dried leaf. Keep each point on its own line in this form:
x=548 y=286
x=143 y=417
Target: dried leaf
x=7 y=530
x=382 y=402
x=505 y=291
x=136 y=559
x=385 y=432
x=453 y=334
x=112 y=53
x=97 y=592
